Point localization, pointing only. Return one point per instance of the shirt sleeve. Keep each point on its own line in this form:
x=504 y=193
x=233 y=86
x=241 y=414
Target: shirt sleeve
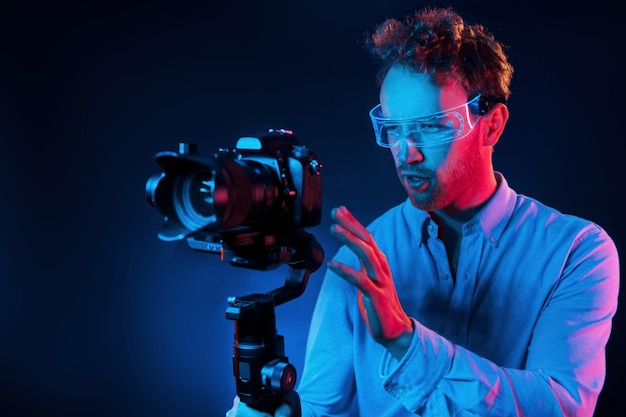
x=328 y=384
x=565 y=366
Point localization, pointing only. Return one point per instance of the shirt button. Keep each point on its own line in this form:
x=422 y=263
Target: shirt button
x=401 y=391
x=431 y=228
x=443 y=276
x=454 y=331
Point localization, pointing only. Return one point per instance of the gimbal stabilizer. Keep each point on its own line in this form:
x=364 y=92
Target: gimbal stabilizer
x=262 y=372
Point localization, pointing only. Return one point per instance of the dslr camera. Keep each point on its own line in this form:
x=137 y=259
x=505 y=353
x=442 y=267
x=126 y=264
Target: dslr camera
x=247 y=204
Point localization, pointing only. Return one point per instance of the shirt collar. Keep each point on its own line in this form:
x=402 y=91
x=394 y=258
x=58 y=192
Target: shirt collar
x=494 y=216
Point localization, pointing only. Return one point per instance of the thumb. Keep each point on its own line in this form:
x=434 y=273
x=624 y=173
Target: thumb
x=283 y=410
x=290 y=406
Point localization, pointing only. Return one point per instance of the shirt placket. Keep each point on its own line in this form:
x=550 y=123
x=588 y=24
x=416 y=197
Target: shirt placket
x=445 y=285
x=457 y=322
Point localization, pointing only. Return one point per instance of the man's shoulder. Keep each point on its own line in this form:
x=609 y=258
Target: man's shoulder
x=550 y=218
x=534 y=207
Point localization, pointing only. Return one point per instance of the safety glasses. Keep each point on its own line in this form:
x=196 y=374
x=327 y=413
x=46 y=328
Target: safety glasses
x=426 y=131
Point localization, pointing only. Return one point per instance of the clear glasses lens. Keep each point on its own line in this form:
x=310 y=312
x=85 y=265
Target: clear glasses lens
x=426 y=131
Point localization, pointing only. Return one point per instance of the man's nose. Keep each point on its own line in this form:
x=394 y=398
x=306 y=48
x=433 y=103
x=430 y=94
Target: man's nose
x=408 y=153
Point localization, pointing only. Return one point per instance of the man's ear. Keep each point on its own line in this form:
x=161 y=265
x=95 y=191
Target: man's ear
x=494 y=122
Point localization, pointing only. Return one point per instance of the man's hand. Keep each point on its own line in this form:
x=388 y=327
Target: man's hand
x=290 y=403
x=386 y=320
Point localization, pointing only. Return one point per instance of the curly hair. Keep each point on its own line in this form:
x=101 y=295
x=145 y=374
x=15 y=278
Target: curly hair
x=439 y=43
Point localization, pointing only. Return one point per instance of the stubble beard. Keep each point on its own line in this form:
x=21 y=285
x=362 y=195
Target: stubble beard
x=440 y=195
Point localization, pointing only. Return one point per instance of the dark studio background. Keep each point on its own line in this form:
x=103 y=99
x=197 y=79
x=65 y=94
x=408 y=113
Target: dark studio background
x=99 y=317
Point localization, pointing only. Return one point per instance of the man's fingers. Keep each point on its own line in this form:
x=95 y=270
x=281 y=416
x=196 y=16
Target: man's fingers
x=343 y=217
x=354 y=277
x=284 y=410
x=367 y=254
x=241 y=409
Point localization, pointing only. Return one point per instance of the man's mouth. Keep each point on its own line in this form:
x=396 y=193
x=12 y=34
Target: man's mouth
x=417 y=183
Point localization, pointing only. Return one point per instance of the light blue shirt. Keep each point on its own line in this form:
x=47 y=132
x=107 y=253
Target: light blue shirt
x=521 y=331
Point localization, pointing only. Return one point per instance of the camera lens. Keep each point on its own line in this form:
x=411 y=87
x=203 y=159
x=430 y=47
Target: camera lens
x=195 y=198
x=202 y=193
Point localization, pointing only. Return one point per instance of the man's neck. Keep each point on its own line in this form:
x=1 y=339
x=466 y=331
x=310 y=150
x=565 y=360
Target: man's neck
x=447 y=221
x=455 y=215
x=451 y=232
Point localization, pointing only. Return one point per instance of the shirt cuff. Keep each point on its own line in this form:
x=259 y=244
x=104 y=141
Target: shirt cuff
x=413 y=378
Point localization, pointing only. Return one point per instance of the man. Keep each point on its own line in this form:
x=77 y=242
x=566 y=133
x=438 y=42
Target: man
x=468 y=299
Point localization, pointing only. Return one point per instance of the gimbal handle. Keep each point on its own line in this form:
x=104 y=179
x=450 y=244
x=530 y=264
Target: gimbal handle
x=263 y=374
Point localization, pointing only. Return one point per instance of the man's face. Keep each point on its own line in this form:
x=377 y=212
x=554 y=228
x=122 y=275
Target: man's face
x=435 y=177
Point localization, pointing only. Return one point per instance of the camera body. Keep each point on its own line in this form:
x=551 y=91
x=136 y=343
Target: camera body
x=247 y=204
